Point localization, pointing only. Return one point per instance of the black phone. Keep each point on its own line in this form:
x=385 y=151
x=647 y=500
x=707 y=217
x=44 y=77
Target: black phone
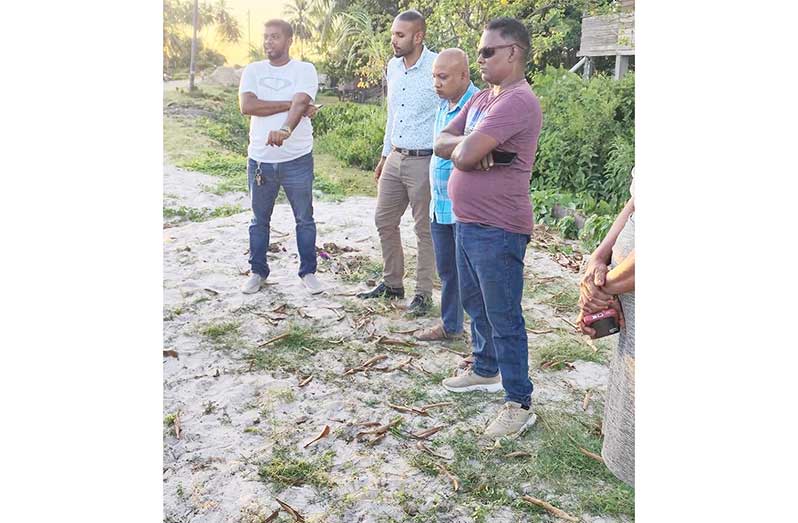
x=503 y=157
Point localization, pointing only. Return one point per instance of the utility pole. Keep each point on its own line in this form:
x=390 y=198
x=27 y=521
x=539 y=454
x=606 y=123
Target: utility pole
x=191 y=86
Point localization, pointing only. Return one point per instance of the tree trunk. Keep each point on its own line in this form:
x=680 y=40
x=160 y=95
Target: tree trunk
x=191 y=68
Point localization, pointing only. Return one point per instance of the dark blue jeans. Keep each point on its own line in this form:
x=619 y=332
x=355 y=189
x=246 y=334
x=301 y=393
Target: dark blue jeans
x=443 y=241
x=296 y=178
x=490 y=263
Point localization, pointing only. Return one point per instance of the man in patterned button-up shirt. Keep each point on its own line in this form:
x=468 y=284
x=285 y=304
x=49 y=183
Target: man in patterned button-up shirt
x=453 y=84
x=403 y=171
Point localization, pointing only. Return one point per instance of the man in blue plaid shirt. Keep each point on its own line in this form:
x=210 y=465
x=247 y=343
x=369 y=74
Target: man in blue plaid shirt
x=453 y=85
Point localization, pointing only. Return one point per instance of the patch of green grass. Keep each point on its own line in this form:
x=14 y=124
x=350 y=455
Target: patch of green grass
x=286 y=469
x=558 y=457
x=567 y=350
x=566 y=300
x=222 y=334
x=292 y=354
x=193 y=214
x=490 y=480
x=182 y=141
x=285 y=395
x=408 y=396
x=335 y=178
x=169 y=419
x=218 y=164
x=170 y=314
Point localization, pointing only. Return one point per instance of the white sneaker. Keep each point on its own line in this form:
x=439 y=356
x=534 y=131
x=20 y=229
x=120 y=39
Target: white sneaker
x=312 y=283
x=253 y=284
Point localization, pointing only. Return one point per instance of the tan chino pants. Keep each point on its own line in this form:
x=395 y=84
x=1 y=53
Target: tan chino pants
x=405 y=179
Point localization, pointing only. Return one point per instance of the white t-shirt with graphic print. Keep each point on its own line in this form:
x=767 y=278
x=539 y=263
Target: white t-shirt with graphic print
x=274 y=84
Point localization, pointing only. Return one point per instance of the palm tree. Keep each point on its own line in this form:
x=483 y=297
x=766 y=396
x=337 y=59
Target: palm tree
x=323 y=17
x=179 y=18
x=366 y=43
x=298 y=13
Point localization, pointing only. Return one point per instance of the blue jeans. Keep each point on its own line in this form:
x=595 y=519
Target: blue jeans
x=490 y=263
x=443 y=236
x=296 y=178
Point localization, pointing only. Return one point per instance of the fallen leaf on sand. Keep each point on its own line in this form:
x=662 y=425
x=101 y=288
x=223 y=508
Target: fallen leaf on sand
x=177 y=424
x=291 y=510
x=272 y=516
x=425 y=434
x=305 y=381
x=586 y=400
x=324 y=432
x=420 y=445
x=170 y=354
x=452 y=477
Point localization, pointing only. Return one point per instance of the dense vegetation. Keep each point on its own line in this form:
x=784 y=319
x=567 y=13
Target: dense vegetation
x=586 y=148
x=585 y=151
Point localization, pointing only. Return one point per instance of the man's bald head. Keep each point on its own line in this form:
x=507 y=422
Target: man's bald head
x=450 y=74
x=453 y=58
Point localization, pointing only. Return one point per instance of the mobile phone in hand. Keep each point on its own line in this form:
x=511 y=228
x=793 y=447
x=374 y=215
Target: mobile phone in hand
x=604 y=322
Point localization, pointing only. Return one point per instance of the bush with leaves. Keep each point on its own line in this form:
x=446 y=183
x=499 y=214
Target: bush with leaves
x=351 y=132
x=586 y=146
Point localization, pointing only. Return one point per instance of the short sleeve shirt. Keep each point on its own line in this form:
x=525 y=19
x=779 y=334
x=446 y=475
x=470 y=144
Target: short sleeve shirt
x=499 y=197
x=279 y=84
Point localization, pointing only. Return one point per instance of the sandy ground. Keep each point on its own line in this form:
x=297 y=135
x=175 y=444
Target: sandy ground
x=232 y=418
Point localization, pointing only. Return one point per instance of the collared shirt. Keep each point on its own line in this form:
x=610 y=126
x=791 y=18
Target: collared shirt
x=440 y=206
x=412 y=102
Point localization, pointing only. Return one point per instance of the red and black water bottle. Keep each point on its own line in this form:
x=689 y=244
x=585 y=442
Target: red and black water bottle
x=604 y=322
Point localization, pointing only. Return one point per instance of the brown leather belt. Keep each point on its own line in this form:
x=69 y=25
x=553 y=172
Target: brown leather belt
x=413 y=152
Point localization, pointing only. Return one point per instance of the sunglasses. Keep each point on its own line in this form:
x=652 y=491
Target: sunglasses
x=487 y=52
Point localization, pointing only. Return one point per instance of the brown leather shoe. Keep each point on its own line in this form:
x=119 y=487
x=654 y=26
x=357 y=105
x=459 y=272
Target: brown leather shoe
x=436 y=333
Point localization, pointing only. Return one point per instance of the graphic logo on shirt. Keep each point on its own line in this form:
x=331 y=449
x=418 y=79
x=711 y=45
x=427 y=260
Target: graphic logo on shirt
x=275 y=84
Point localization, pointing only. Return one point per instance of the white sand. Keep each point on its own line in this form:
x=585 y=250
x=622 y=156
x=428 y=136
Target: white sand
x=215 y=462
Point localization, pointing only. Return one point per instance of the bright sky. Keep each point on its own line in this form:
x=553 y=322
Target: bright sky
x=259 y=12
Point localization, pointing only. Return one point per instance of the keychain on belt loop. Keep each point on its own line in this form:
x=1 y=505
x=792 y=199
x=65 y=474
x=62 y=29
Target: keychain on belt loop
x=258 y=175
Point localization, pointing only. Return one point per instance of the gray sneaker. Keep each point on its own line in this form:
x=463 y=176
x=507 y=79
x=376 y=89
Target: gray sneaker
x=312 y=283
x=511 y=421
x=469 y=381
x=253 y=284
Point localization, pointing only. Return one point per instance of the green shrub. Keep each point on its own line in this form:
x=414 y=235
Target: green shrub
x=228 y=126
x=353 y=133
x=585 y=151
x=586 y=146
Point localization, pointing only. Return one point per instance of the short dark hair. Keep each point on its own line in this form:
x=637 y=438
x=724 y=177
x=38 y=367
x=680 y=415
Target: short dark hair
x=284 y=26
x=511 y=29
x=411 y=15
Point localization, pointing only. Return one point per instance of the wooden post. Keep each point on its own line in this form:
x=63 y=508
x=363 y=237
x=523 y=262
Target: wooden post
x=621 y=66
x=588 y=68
x=578 y=64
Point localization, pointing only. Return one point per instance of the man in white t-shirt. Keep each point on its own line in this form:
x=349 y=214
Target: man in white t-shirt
x=278 y=94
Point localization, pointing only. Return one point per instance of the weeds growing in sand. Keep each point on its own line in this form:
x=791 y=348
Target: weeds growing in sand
x=193 y=214
x=286 y=468
x=556 y=355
